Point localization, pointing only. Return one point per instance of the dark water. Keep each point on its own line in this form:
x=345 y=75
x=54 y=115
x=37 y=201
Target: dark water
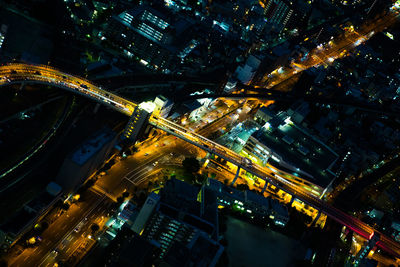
x=249 y=245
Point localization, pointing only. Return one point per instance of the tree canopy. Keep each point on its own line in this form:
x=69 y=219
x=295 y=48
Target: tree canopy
x=191 y=165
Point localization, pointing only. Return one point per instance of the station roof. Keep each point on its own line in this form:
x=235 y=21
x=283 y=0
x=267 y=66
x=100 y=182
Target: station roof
x=300 y=149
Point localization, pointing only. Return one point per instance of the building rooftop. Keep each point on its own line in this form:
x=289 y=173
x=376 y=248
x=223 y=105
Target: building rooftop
x=156 y=25
x=256 y=198
x=40 y=202
x=278 y=207
x=130 y=249
x=182 y=197
x=299 y=149
x=91 y=146
x=201 y=251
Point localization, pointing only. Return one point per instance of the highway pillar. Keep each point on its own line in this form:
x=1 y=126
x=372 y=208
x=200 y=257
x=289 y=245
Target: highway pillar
x=236 y=176
x=291 y=200
x=316 y=218
x=265 y=187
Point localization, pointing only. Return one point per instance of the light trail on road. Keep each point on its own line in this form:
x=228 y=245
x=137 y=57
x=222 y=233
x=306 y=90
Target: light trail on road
x=325 y=54
x=20 y=73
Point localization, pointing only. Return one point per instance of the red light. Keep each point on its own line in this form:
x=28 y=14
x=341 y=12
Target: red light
x=371 y=235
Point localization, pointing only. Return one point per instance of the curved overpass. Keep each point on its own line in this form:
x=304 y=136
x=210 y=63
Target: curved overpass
x=390 y=110
x=39 y=74
x=24 y=73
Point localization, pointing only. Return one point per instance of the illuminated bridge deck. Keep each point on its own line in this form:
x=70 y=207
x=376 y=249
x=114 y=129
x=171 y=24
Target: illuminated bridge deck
x=24 y=73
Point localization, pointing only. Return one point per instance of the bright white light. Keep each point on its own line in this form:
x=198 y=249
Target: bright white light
x=267 y=125
x=144 y=62
x=331 y=59
x=148 y=106
x=275 y=158
x=358 y=42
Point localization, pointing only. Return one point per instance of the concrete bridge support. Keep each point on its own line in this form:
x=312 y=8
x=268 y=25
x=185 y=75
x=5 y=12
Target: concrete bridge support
x=265 y=187
x=236 y=176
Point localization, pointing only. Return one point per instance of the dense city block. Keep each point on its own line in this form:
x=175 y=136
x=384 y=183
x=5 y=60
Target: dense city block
x=193 y=133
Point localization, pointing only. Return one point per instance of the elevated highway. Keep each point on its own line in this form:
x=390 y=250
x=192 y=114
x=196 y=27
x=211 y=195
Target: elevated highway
x=24 y=73
x=391 y=110
x=276 y=177
x=38 y=74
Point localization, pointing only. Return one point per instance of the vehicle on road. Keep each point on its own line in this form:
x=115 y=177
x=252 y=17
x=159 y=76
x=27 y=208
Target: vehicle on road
x=247 y=162
x=79 y=226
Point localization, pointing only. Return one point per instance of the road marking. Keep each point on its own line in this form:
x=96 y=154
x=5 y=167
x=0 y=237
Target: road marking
x=134 y=178
x=154 y=157
x=131 y=175
x=140 y=179
x=69 y=234
x=137 y=182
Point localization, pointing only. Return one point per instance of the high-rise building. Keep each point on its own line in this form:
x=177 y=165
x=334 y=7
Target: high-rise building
x=136 y=125
x=130 y=249
x=163 y=106
x=278 y=12
x=181 y=224
x=150 y=35
x=145 y=213
x=284 y=14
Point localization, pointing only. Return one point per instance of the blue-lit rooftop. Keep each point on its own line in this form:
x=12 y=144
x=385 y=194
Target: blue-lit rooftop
x=91 y=147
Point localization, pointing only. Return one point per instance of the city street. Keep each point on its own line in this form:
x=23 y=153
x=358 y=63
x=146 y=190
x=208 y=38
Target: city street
x=56 y=231
x=79 y=240
x=120 y=118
